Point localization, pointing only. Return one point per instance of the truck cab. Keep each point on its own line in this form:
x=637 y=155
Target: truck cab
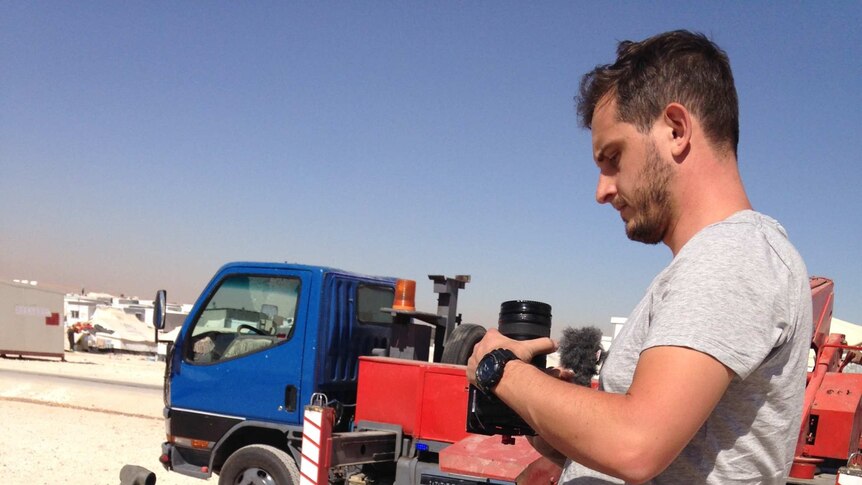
x=259 y=341
x=262 y=339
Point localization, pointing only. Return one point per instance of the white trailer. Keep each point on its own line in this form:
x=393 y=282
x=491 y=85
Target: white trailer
x=31 y=321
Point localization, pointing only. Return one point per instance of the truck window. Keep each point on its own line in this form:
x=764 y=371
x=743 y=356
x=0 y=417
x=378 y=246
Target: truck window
x=246 y=314
x=369 y=301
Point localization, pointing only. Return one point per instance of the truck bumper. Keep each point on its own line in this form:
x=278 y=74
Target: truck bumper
x=173 y=458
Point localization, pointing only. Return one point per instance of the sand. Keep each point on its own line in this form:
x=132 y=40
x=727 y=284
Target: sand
x=65 y=434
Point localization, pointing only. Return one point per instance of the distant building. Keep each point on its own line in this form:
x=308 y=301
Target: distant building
x=80 y=308
x=617 y=325
x=121 y=323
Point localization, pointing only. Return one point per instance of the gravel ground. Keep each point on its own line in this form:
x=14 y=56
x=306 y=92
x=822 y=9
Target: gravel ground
x=59 y=436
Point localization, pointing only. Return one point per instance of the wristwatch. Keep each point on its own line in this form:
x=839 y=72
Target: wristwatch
x=490 y=369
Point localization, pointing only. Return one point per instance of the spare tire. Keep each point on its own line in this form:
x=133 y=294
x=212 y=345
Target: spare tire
x=460 y=345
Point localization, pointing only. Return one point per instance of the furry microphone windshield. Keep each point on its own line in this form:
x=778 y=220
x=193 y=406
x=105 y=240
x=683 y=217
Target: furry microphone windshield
x=581 y=351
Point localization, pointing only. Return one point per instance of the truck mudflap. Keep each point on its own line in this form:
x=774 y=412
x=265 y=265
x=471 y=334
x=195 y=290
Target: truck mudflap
x=487 y=456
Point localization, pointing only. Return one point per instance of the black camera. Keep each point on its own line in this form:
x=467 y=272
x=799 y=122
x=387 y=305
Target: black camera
x=486 y=414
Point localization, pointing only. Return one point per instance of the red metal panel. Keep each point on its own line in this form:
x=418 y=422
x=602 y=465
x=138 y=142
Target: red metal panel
x=541 y=472
x=486 y=456
x=388 y=392
x=838 y=409
x=822 y=293
x=428 y=401
x=444 y=405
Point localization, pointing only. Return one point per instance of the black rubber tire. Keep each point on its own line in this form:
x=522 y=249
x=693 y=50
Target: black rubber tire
x=461 y=342
x=259 y=465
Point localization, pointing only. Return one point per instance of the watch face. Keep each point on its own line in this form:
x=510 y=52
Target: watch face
x=486 y=372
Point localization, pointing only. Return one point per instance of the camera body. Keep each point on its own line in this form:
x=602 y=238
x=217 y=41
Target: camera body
x=487 y=414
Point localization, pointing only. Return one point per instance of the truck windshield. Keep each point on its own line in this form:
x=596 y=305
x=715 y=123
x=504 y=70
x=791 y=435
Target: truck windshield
x=245 y=315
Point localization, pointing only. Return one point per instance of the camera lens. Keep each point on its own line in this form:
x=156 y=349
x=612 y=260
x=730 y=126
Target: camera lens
x=526 y=320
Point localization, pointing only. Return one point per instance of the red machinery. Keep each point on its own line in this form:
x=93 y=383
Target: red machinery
x=425 y=403
x=831 y=425
x=421 y=397
x=428 y=403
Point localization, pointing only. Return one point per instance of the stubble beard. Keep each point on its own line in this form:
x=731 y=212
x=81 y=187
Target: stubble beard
x=650 y=201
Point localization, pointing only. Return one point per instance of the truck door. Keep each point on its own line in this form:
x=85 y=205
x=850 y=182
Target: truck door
x=242 y=355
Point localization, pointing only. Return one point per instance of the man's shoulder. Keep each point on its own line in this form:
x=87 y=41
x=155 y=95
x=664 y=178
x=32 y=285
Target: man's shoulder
x=747 y=249
x=746 y=225
x=746 y=236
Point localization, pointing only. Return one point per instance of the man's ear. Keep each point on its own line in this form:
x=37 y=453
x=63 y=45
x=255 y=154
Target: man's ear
x=678 y=128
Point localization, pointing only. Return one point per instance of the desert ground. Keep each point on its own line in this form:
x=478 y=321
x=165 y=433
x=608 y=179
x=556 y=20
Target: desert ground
x=65 y=423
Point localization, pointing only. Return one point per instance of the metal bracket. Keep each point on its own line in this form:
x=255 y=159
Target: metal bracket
x=318 y=399
x=358 y=447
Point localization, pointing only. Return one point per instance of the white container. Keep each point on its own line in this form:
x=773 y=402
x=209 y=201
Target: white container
x=31 y=321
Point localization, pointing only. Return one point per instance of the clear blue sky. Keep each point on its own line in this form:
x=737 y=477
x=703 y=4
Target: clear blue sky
x=144 y=144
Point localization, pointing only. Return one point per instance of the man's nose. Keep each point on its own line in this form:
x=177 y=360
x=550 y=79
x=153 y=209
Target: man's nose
x=606 y=189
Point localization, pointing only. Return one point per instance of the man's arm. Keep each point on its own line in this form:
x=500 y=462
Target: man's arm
x=546 y=450
x=855 y=356
x=539 y=444
x=633 y=436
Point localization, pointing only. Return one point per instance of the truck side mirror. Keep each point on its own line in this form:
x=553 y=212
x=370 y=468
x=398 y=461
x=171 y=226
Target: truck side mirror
x=160 y=308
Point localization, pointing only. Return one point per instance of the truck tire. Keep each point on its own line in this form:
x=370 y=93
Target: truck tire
x=259 y=465
x=461 y=342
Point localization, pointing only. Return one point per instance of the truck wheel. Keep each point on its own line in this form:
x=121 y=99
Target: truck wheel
x=259 y=465
x=461 y=342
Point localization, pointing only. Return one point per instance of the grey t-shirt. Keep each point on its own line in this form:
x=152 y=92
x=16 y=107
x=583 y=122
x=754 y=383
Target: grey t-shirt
x=739 y=292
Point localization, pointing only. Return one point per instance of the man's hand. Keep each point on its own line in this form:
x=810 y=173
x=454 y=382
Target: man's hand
x=561 y=373
x=524 y=349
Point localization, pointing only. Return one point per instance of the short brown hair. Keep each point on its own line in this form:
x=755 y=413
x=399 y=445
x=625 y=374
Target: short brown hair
x=678 y=66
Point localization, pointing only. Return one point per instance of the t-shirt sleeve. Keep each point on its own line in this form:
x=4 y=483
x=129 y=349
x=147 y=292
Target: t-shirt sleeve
x=726 y=295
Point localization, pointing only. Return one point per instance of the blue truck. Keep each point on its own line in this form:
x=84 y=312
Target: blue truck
x=264 y=339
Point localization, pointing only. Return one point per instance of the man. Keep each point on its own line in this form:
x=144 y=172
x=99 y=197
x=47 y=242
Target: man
x=705 y=382
x=70 y=334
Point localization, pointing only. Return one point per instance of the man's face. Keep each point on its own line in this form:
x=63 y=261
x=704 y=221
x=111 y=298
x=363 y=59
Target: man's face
x=649 y=201
x=633 y=176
